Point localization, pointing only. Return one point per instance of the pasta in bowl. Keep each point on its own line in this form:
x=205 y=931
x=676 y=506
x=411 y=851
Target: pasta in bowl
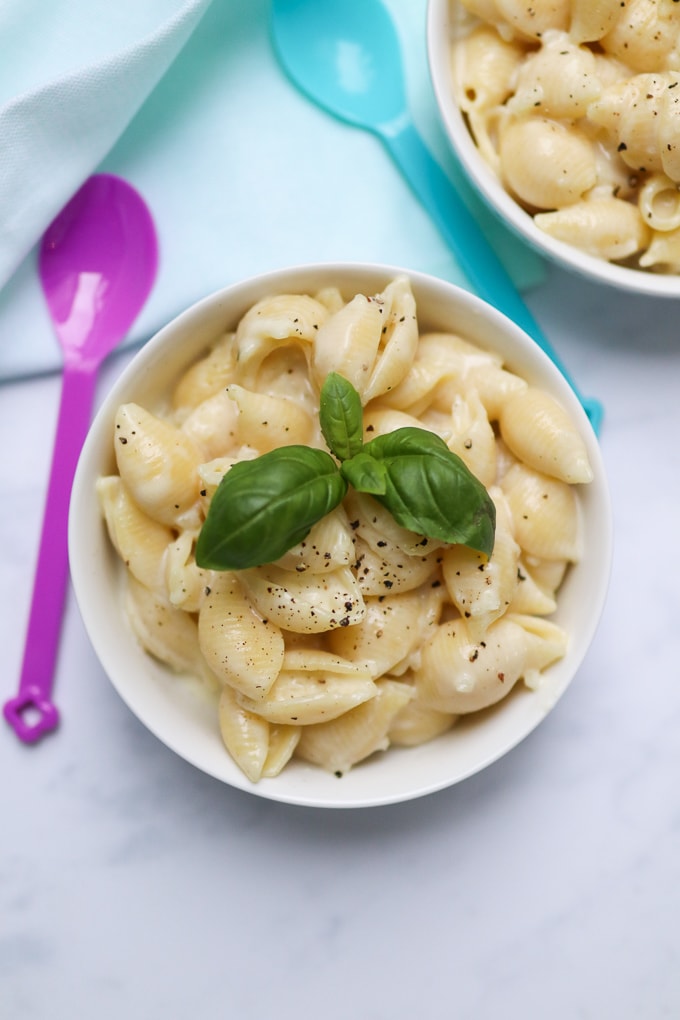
x=316 y=668
x=565 y=117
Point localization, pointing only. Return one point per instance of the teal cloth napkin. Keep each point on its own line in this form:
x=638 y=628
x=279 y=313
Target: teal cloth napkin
x=185 y=99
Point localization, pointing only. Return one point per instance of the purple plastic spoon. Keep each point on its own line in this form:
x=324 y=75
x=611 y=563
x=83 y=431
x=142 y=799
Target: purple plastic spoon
x=97 y=264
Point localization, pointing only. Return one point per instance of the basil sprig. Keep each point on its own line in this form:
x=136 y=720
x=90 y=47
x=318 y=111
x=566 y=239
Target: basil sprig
x=264 y=507
x=427 y=488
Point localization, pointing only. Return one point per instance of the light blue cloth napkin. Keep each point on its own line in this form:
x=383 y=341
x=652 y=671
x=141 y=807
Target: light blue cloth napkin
x=185 y=99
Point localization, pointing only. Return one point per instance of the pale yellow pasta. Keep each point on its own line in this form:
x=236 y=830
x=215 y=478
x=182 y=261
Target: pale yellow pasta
x=646 y=35
x=642 y=116
x=546 y=164
x=482 y=589
x=545 y=514
x=167 y=633
x=312 y=689
x=539 y=432
x=240 y=647
x=459 y=674
x=212 y=425
x=338 y=745
x=534 y=19
x=185 y=582
x=660 y=203
x=472 y=436
x=558 y=80
x=484 y=67
x=392 y=630
x=287 y=599
x=328 y=545
x=663 y=251
x=417 y=723
x=140 y=541
x=591 y=19
x=582 y=125
x=258 y=747
x=158 y=464
x=267 y=422
x=606 y=227
x=206 y=377
x=364 y=634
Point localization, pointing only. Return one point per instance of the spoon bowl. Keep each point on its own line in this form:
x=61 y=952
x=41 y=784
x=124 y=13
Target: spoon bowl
x=97 y=263
x=346 y=57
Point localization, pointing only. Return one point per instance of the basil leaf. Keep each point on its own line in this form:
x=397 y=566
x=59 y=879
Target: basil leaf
x=341 y=416
x=429 y=490
x=365 y=473
x=263 y=507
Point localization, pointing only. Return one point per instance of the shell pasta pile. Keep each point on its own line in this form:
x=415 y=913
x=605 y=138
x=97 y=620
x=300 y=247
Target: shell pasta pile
x=575 y=105
x=364 y=635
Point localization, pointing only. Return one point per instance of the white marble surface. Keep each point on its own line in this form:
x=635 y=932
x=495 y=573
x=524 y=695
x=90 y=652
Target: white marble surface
x=132 y=885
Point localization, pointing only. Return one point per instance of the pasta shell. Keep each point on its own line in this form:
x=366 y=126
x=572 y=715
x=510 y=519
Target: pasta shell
x=292 y=601
x=609 y=228
x=533 y=20
x=328 y=545
x=140 y=541
x=391 y=631
x=540 y=433
x=591 y=19
x=276 y=321
x=266 y=422
x=659 y=203
x=645 y=36
x=545 y=512
x=472 y=437
x=348 y=342
x=530 y=597
x=282 y=743
x=338 y=745
x=245 y=735
x=158 y=464
x=185 y=581
x=167 y=633
x=399 y=339
x=484 y=66
x=481 y=589
x=212 y=426
x=205 y=377
x=663 y=251
x=305 y=697
x=558 y=80
x=546 y=164
x=417 y=724
x=459 y=675
x=373 y=524
x=241 y=648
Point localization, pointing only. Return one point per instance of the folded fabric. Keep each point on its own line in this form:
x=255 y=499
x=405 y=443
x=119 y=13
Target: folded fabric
x=185 y=99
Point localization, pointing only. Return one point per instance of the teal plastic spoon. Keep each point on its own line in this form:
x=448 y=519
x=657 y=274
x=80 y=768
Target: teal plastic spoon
x=97 y=263
x=345 y=56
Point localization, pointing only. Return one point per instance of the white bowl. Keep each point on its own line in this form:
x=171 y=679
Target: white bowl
x=483 y=179
x=186 y=721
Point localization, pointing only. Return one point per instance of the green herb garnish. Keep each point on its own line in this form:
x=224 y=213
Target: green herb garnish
x=264 y=507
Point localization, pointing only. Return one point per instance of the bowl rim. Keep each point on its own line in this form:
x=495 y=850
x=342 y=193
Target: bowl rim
x=300 y=784
x=497 y=199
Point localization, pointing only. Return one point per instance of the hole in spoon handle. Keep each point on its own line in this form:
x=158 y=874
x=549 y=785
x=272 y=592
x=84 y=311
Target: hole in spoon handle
x=31 y=716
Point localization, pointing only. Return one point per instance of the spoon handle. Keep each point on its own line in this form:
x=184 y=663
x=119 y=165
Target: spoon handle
x=31 y=713
x=473 y=252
